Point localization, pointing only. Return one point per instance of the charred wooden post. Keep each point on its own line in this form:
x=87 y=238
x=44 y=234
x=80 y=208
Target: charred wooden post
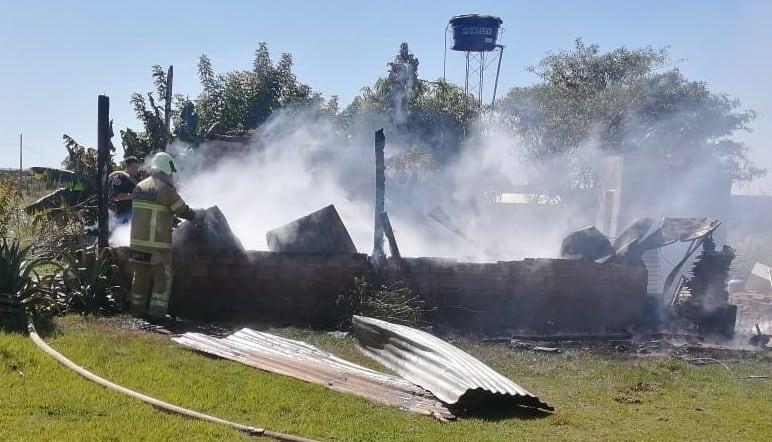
x=103 y=157
x=168 y=106
x=380 y=194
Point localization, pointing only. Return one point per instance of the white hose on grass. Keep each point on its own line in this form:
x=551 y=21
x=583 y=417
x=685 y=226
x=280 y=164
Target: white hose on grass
x=255 y=431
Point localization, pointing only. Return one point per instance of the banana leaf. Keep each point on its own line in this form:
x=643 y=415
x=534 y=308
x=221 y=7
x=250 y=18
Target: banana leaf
x=57 y=200
x=61 y=177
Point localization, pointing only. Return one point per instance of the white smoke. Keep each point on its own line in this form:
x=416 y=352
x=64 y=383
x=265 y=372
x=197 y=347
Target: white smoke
x=120 y=235
x=286 y=174
x=297 y=164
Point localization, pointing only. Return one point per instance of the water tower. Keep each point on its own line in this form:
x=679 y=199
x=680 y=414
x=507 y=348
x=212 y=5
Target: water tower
x=476 y=36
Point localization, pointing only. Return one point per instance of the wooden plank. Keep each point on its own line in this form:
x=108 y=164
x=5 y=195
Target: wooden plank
x=386 y=224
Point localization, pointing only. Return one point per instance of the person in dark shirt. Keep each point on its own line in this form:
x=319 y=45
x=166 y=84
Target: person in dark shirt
x=122 y=183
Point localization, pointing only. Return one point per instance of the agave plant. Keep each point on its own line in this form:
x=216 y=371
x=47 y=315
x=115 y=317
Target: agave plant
x=24 y=287
x=88 y=282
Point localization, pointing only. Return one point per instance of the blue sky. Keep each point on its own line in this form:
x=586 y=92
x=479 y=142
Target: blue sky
x=59 y=56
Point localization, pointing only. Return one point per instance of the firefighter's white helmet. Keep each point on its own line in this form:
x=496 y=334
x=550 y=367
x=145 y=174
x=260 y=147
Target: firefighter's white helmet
x=163 y=162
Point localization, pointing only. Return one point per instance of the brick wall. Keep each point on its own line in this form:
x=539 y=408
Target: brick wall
x=284 y=288
x=536 y=295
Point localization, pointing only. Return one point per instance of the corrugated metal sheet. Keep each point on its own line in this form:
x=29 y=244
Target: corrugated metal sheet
x=449 y=373
x=304 y=361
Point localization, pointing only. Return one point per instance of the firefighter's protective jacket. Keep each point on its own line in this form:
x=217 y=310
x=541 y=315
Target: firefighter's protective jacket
x=155 y=202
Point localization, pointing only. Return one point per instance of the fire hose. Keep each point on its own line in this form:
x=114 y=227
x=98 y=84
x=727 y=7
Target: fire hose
x=255 y=431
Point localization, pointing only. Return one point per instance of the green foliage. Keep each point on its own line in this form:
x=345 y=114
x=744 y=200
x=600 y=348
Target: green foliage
x=60 y=232
x=153 y=118
x=436 y=115
x=135 y=144
x=368 y=111
x=441 y=115
x=76 y=186
x=53 y=274
x=24 y=289
x=59 y=203
x=626 y=101
x=57 y=280
x=10 y=206
x=402 y=80
x=209 y=103
x=154 y=136
x=237 y=102
x=394 y=303
x=186 y=121
x=411 y=166
x=80 y=159
x=87 y=282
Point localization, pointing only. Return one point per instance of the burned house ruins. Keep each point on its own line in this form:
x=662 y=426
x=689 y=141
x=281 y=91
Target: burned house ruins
x=600 y=284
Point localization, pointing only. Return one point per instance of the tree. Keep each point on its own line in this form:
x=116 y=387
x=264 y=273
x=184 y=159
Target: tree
x=441 y=116
x=152 y=116
x=626 y=101
x=426 y=116
x=186 y=121
x=237 y=102
x=402 y=80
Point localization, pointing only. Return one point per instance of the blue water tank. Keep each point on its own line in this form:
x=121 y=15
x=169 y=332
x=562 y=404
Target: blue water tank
x=475 y=32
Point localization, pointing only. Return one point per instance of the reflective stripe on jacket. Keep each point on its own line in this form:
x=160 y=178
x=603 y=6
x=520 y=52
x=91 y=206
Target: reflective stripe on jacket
x=155 y=202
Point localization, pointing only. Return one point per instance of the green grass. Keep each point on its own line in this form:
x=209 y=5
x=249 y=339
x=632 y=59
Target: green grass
x=597 y=397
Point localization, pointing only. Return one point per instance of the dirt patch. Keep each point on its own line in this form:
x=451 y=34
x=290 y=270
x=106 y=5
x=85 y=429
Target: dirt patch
x=685 y=347
x=169 y=326
x=690 y=348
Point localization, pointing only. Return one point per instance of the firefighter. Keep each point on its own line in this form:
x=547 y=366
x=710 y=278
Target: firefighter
x=122 y=183
x=155 y=203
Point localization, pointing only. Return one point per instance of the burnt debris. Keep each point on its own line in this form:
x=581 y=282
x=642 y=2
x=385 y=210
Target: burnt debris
x=587 y=243
x=704 y=298
x=321 y=232
x=212 y=233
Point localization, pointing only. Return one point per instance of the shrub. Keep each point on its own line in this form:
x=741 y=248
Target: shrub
x=10 y=203
x=393 y=303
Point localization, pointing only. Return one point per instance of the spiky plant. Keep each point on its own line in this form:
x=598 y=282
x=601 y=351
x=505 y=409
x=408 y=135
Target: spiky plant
x=88 y=282
x=24 y=286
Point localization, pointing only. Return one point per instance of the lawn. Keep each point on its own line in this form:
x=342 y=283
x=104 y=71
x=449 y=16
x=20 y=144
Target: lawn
x=597 y=396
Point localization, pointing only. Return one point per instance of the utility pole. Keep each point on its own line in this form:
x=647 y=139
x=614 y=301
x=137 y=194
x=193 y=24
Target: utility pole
x=21 y=169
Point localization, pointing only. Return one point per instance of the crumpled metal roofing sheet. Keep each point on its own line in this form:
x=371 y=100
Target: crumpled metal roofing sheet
x=304 y=361
x=453 y=376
